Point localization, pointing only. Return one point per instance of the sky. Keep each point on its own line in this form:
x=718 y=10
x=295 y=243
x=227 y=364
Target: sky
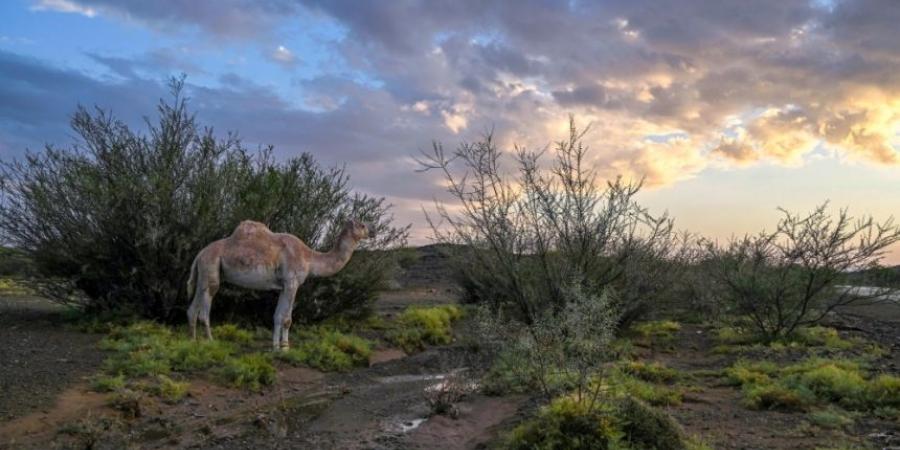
x=728 y=109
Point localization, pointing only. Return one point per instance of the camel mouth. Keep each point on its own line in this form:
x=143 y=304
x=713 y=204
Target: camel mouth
x=370 y=230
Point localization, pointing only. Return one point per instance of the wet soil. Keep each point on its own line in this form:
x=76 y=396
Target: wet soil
x=40 y=357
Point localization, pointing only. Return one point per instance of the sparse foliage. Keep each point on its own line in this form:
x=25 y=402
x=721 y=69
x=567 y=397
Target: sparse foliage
x=789 y=278
x=524 y=238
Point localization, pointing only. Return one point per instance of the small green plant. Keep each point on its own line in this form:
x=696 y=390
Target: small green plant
x=103 y=383
x=884 y=391
x=654 y=394
x=170 y=390
x=830 y=418
x=330 y=350
x=653 y=371
x=812 y=382
x=659 y=329
x=128 y=402
x=418 y=326
x=251 y=371
x=232 y=333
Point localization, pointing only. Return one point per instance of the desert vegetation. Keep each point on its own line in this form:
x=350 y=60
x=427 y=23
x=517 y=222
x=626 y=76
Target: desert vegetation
x=594 y=322
x=112 y=222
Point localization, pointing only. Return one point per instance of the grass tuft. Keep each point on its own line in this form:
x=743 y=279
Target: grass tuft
x=251 y=371
x=327 y=349
x=232 y=333
x=418 y=326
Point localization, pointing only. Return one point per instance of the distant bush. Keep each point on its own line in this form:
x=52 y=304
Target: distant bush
x=115 y=221
x=418 y=326
x=522 y=239
x=786 y=279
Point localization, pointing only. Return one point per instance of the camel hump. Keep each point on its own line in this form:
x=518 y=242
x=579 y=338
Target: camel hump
x=249 y=229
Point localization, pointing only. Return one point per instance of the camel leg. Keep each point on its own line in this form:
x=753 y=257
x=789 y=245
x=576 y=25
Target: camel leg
x=282 y=317
x=206 y=305
x=193 y=312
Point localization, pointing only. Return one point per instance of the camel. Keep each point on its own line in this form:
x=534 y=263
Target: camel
x=254 y=257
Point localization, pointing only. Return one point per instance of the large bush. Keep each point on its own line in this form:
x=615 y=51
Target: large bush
x=114 y=221
x=789 y=278
x=524 y=238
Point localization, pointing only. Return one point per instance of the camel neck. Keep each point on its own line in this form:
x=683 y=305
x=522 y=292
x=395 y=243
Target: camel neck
x=331 y=262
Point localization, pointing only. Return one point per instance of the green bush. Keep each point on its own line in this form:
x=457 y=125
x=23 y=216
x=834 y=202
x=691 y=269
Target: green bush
x=102 y=383
x=326 y=349
x=615 y=423
x=170 y=390
x=140 y=205
x=418 y=326
x=831 y=418
x=654 y=394
x=653 y=371
x=814 y=382
x=884 y=390
x=565 y=424
x=251 y=371
x=646 y=427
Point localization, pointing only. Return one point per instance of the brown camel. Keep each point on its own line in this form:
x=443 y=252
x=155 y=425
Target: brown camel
x=256 y=258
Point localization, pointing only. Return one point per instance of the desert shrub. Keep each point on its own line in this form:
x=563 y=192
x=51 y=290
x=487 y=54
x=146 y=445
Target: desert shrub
x=418 y=326
x=443 y=397
x=103 y=383
x=556 y=351
x=522 y=240
x=788 y=278
x=884 y=390
x=653 y=371
x=130 y=403
x=114 y=221
x=251 y=371
x=330 y=350
x=812 y=382
x=565 y=424
x=654 y=394
x=777 y=396
x=170 y=390
x=831 y=418
x=620 y=423
x=647 y=427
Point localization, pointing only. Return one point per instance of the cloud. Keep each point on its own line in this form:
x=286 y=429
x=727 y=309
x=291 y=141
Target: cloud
x=283 y=56
x=225 y=18
x=63 y=6
x=728 y=82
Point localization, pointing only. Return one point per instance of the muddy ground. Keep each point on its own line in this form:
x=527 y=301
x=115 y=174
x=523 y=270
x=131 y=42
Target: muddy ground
x=45 y=401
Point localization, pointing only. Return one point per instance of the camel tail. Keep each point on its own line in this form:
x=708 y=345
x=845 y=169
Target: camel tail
x=192 y=280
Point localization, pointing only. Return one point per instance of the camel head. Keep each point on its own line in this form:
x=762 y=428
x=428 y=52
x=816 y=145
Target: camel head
x=359 y=230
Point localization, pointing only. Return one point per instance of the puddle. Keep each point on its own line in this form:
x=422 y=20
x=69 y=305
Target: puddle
x=410 y=425
x=441 y=385
x=410 y=378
